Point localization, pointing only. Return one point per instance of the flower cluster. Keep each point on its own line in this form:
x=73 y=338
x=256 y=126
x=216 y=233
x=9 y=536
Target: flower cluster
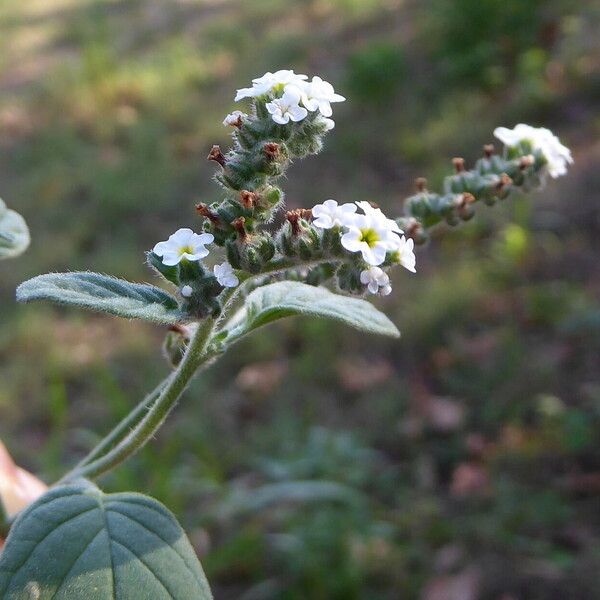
x=538 y=139
x=185 y=248
x=353 y=244
x=371 y=233
x=292 y=97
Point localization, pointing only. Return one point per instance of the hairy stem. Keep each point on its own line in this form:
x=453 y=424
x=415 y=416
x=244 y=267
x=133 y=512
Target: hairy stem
x=174 y=386
x=119 y=432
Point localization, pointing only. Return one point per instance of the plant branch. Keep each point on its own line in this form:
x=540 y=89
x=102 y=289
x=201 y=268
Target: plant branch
x=175 y=384
x=119 y=432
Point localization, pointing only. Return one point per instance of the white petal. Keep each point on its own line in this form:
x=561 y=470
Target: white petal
x=281 y=118
x=324 y=222
x=160 y=248
x=170 y=259
x=297 y=113
x=203 y=238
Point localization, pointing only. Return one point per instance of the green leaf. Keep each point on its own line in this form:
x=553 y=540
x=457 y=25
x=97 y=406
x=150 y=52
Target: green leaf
x=76 y=542
x=288 y=298
x=14 y=233
x=102 y=293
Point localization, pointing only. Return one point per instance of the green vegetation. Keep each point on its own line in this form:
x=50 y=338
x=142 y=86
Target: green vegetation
x=466 y=453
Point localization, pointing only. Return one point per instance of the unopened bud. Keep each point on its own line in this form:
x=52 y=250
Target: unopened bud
x=205 y=211
x=239 y=225
x=216 y=155
x=248 y=199
x=489 y=150
x=293 y=217
x=421 y=184
x=271 y=150
x=504 y=182
x=459 y=164
x=526 y=161
x=466 y=199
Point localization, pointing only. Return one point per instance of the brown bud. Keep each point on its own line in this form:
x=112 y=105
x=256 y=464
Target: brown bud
x=526 y=161
x=248 y=199
x=414 y=228
x=271 y=150
x=237 y=123
x=216 y=155
x=181 y=330
x=205 y=211
x=465 y=199
x=293 y=217
x=306 y=214
x=421 y=184
x=505 y=181
x=489 y=150
x=239 y=225
x=459 y=164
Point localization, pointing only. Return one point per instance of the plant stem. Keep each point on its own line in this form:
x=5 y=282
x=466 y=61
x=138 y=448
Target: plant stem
x=120 y=430
x=174 y=386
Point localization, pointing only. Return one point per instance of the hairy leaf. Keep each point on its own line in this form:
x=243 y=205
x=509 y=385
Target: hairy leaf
x=76 y=542
x=14 y=233
x=102 y=293
x=288 y=298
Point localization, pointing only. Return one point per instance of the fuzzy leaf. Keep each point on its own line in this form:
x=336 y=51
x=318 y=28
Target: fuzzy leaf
x=14 y=233
x=76 y=542
x=102 y=293
x=289 y=298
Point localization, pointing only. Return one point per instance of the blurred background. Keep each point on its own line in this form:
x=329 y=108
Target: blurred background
x=461 y=462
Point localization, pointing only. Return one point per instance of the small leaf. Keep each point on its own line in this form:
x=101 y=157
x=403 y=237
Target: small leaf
x=102 y=293
x=14 y=233
x=76 y=542
x=288 y=298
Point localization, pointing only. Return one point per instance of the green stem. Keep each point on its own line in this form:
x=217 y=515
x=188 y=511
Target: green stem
x=119 y=432
x=174 y=386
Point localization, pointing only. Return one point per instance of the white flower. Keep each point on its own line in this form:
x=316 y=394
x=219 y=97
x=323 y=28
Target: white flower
x=234 y=118
x=406 y=255
x=329 y=124
x=368 y=209
x=184 y=244
x=370 y=235
x=187 y=291
x=287 y=107
x=376 y=280
x=331 y=214
x=542 y=139
x=270 y=82
x=225 y=275
x=318 y=95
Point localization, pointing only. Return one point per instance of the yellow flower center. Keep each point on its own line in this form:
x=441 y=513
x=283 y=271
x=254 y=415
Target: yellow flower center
x=186 y=250
x=370 y=236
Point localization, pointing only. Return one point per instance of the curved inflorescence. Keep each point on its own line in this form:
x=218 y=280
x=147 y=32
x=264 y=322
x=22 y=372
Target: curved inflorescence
x=352 y=244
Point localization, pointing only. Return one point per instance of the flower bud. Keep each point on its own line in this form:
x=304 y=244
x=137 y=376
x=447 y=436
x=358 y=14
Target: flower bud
x=348 y=278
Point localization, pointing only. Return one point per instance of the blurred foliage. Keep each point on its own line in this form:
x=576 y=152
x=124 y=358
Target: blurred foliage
x=313 y=462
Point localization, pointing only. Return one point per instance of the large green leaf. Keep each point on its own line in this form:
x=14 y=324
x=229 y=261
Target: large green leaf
x=76 y=542
x=14 y=234
x=102 y=293
x=288 y=298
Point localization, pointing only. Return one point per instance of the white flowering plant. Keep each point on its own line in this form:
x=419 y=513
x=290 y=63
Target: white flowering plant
x=250 y=263
x=14 y=233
